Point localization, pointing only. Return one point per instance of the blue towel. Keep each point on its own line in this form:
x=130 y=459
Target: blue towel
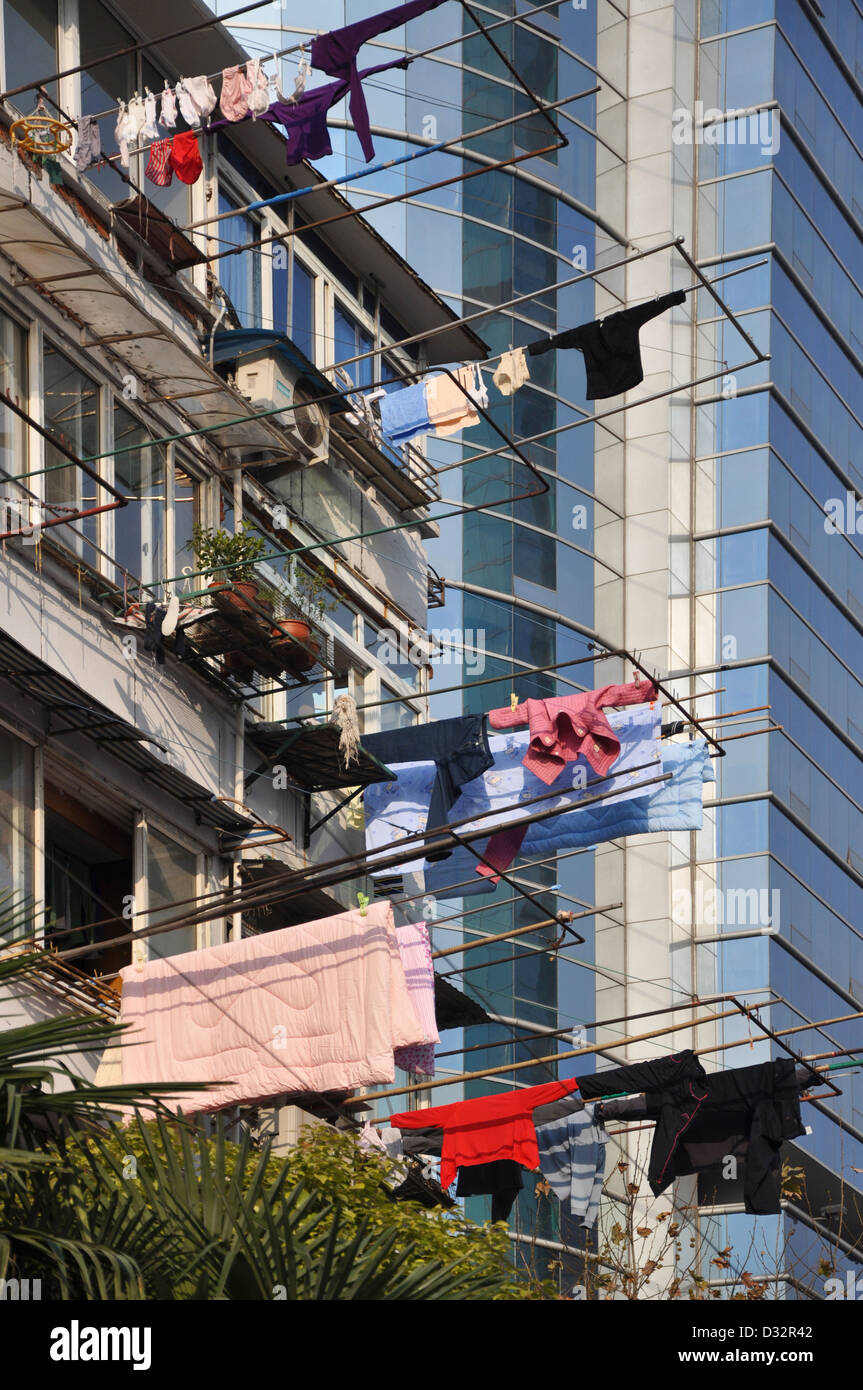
x=405 y=413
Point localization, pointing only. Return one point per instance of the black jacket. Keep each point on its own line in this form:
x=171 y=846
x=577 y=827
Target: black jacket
x=612 y=352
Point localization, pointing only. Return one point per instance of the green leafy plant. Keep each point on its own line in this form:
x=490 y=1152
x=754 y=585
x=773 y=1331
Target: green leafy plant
x=311 y=594
x=226 y=555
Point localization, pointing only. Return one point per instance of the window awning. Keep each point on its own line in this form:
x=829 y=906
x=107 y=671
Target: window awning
x=313 y=760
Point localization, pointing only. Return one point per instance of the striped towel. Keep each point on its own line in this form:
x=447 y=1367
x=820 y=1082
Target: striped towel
x=572 y=1159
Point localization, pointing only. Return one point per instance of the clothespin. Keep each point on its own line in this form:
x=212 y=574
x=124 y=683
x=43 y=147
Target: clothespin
x=363 y=900
x=513 y=701
x=139 y=955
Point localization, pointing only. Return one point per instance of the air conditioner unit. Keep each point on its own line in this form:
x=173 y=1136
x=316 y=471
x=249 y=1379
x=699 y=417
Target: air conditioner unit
x=268 y=380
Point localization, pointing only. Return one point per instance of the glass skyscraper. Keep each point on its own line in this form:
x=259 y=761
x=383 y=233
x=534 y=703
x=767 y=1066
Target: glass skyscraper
x=715 y=530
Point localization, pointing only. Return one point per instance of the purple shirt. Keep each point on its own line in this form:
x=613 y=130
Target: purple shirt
x=335 y=53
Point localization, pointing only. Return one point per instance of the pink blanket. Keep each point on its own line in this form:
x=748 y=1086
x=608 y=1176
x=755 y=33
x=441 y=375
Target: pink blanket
x=419 y=972
x=316 y=1007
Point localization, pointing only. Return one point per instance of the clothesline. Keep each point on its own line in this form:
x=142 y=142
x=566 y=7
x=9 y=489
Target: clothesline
x=741 y=1010
x=132 y=48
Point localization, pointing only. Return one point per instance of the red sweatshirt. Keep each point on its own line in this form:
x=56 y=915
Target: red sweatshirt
x=565 y=726
x=480 y=1131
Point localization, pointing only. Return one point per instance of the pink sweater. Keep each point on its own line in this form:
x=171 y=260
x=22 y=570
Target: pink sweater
x=567 y=726
x=316 y=1007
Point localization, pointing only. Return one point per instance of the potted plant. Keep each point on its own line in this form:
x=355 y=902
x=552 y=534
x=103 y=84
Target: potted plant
x=310 y=599
x=230 y=557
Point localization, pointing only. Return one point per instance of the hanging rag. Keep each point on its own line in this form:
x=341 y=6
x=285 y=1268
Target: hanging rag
x=415 y=952
x=186 y=157
x=747 y=1112
x=405 y=413
x=151 y=129
x=565 y=727
x=511 y=372
x=484 y=1130
x=335 y=53
x=344 y=716
x=452 y=406
x=168 y=108
x=259 y=87
x=185 y=103
x=88 y=147
x=200 y=91
x=572 y=1159
x=234 y=99
x=319 y=1006
x=459 y=748
x=501 y=1180
x=301 y=77
x=122 y=133
x=159 y=168
x=612 y=352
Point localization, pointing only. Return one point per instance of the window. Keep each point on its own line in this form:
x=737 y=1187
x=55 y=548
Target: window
x=16 y=816
x=13 y=378
x=303 y=310
x=30 y=41
x=71 y=405
x=171 y=873
x=88 y=875
x=139 y=473
x=240 y=275
x=351 y=340
x=185 y=516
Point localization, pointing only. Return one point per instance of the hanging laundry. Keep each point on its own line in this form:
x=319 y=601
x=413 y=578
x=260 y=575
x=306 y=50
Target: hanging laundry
x=451 y=406
x=137 y=118
x=511 y=372
x=612 y=352
x=159 y=169
x=234 y=99
x=122 y=133
x=673 y=805
x=746 y=1111
x=400 y=808
x=315 y=1007
x=305 y=120
x=405 y=413
x=481 y=1131
x=185 y=103
x=88 y=146
x=186 y=157
x=459 y=748
x=259 y=87
x=572 y=1159
x=416 y=956
x=151 y=129
x=203 y=98
x=335 y=53
x=677 y=1069
x=501 y=1180
x=168 y=108
x=302 y=76
x=564 y=727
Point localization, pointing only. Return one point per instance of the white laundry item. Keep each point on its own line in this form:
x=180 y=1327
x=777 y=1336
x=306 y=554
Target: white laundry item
x=511 y=372
x=276 y=79
x=169 y=622
x=200 y=89
x=151 y=129
x=137 y=117
x=259 y=94
x=168 y=111
x=479 y=392
x=186 y=105
x=122 y=133
x=302 y=77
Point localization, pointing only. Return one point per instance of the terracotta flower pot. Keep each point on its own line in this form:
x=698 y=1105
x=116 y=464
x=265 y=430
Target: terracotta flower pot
x=237 y=664
x=243 y=594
